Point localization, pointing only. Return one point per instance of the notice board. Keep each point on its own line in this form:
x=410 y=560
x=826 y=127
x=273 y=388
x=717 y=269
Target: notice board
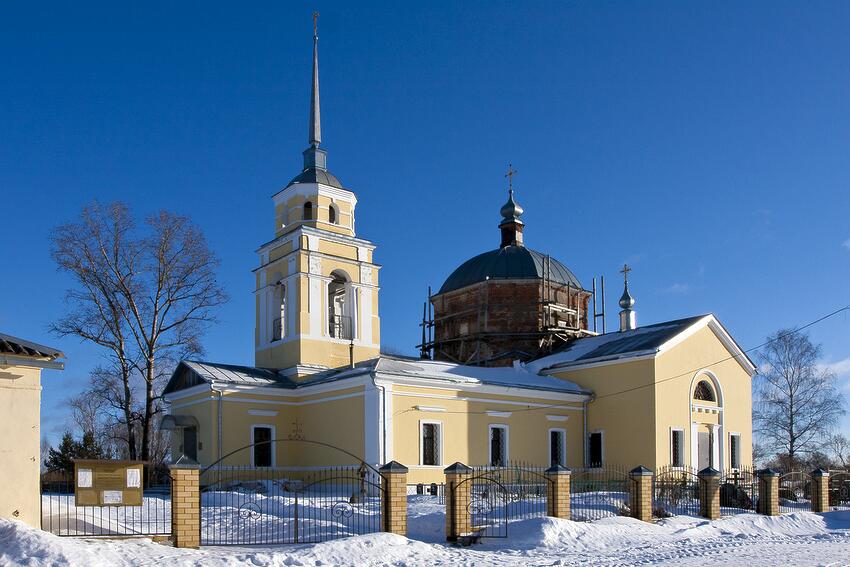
x=108 y=483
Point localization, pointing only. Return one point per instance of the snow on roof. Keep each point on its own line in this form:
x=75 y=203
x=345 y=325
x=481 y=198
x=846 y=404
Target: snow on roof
x=515 y=376
x=615 y=345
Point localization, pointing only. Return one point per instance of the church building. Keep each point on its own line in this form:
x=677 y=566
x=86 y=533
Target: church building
x=512 y=367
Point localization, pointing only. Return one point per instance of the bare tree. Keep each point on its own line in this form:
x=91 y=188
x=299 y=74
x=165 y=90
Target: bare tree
x=88 y=250
x=839 y=446
x=797 y=401
x=87 y=411
x=157 y=292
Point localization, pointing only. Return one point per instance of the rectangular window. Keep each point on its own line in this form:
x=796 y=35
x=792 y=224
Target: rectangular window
x=677 y=447
x=498 y=445
x=262 y=446
x=557 y=447
x=735 y=450
x=431 y=444
x=594 y=449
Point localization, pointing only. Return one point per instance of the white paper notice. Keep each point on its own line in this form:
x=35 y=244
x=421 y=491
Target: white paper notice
x=112 y=497
x=134 y=479
x=84 y=478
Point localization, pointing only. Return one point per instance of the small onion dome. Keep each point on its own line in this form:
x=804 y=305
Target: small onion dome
x=627 y=301
x=511 y=210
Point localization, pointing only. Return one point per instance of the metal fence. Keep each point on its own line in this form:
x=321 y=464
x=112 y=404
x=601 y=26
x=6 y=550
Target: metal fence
x=61 y=516
x=738 y=491
x=839 y=490
x=255 y=505
x=597 y=493
x=675 y=492
x=795 y=492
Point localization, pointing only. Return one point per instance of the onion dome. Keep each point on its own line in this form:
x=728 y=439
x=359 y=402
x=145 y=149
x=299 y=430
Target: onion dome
x=511 y=211
x=626 y=300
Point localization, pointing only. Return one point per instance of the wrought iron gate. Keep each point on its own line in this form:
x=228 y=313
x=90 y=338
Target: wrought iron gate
x=675 y=492
x=488 y=504
x=795 y=491
x=251 y=505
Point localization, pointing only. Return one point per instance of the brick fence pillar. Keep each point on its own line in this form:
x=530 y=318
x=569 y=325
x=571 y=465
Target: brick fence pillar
x=185 y=503
x=640 y=496
x=768 y=492
x=394 y=480
x=558 y=492
x=709 y=493
x=458 y=520
x=820 y=491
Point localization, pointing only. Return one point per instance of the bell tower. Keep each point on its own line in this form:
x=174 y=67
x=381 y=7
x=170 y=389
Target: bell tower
x=316 y=285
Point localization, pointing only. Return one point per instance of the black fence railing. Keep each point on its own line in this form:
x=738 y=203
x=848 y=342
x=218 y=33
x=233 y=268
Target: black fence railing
x=738 y=492
x=600 y=492
x=675 y=492
x=435 y=489
x=839 y=490
x=255 y=505
x=795 y=492
x=61 y=516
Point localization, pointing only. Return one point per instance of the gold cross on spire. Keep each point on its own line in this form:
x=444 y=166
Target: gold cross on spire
x=625 y=271
x=315 y=24
x=510 y=175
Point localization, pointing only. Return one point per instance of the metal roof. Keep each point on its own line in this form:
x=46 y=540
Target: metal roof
x=315 y=175
x=20 y=347
x=510 y=262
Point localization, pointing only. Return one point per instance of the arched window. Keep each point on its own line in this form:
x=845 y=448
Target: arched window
x=308 y=210
x=339 y=307
x=704 y=392
x=333 y=216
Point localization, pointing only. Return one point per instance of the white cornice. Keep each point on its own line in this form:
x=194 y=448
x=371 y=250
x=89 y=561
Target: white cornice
x=441 y=383
x=306 y=189
x=325 y=234
x=26 y=361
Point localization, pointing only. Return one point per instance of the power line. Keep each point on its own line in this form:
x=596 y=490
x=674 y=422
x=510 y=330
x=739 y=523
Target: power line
x=652 y=384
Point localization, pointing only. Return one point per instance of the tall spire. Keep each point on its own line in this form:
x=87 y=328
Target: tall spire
x=315 y=136
x=511 y=226
x=313 y=156
x=628 y=320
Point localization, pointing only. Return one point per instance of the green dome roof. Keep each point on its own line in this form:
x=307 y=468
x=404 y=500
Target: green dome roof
x=510 y=262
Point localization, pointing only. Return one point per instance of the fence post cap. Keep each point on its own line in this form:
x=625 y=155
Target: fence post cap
x=709 y=471
x=184 y=462
x=457 y=467
x=393 y=467
x=820 y=473
x=768 y=472
x=640 y=470
x=558 y=469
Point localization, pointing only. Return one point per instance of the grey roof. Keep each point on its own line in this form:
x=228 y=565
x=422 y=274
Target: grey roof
x=510 y=262
x=615 y=344
x=315 y=175
x=20 y=347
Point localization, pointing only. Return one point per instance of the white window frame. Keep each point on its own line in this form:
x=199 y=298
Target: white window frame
x=601 y=433
x=273 y=443
x=681 y=431
x=490 y=429
x=563 y=433
x=731 y=455
x=439 y=425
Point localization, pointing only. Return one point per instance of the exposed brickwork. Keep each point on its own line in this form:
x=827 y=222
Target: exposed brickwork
x=709 y=495
x=558 y=496
x=458 y=520
x=185 y=506
x=494 y=322
x=640 y=497
x=768 y=503
x=395 y=502
x=820 y=491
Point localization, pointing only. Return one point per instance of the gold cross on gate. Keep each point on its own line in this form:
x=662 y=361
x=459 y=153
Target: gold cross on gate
x=510 y=175
x=625 y=271
x=315 y=23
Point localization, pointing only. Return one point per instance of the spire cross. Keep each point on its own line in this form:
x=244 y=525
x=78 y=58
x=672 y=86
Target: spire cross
x=625 y=271
x=510 y=175
x=315 y=24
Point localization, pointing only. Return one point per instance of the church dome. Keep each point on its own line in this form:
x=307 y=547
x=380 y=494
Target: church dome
x=509 y=262
x=316 y=175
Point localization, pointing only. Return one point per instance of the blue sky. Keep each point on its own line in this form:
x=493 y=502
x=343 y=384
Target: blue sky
x=704 y=143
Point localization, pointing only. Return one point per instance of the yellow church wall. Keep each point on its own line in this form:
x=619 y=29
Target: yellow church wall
x=679 y=368
x=20 y=409
x=340 y=251
x=465 y=428
x=626 y=420
x=279 y=253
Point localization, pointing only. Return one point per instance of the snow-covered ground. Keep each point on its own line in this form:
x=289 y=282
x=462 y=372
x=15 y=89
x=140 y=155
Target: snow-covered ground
x=801 y=538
